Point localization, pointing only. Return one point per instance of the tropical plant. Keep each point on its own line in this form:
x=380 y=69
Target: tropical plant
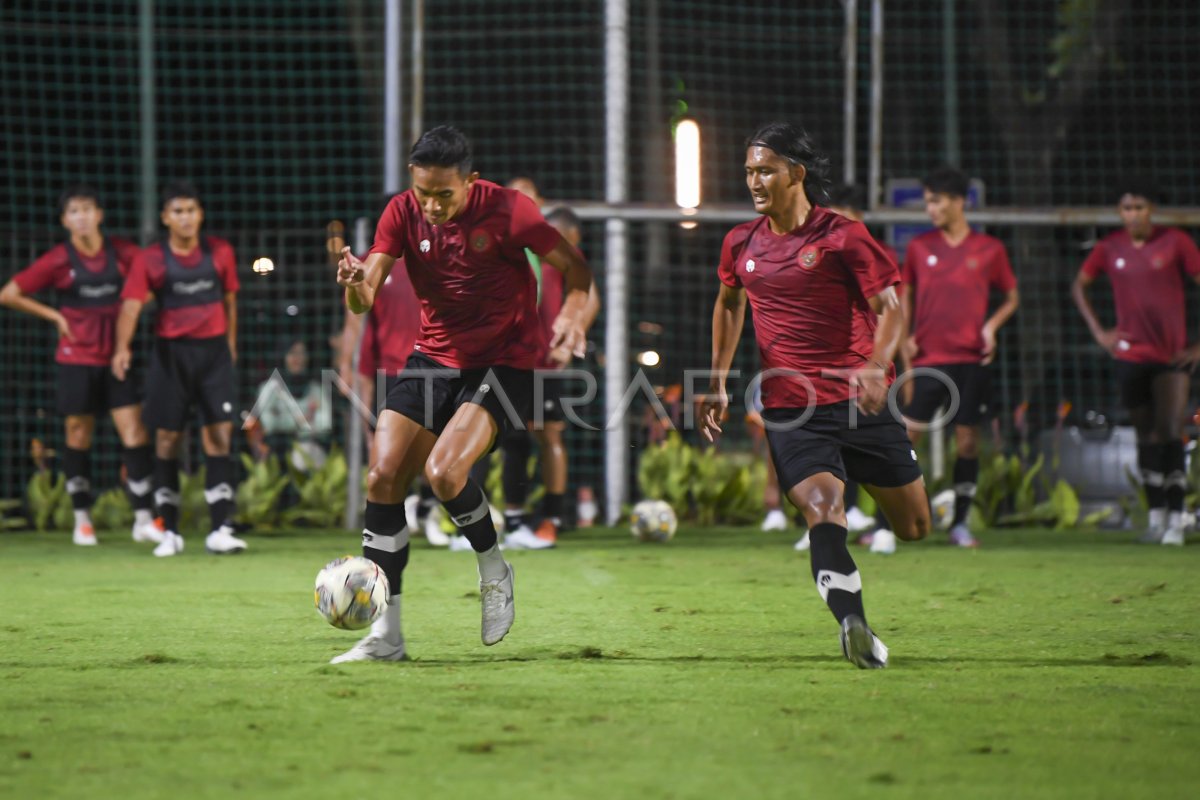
x=322 y=493
x=49 y=503
x=258 y=496
x=112 y=510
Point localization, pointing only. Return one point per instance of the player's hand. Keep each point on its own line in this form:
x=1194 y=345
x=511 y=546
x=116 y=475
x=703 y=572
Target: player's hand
x=712 y=409
x=1187 y=359
x=64 y=328
x=569 y=338
x=909 y=348
x=120 y=363
x=1111 y=341
x=870 y=388
x=350 y=271
x=989 y=344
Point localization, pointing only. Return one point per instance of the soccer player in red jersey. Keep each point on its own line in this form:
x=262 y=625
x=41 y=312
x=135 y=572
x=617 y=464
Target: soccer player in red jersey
x=828 y=320
x=470 y=377
x=87 y=271
x=193 y=279
x=948 y=274
x=1148 y=267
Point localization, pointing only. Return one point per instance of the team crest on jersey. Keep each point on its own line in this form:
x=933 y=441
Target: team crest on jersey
x=809 y=257
x=931 y=261
x=480 y=241
x=424 y=245
x=749 y=265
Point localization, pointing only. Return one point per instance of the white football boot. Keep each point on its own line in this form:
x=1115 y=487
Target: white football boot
x=84 y=535
x=171 y=545
x=145 y=529
x=883 y=542
x=856 y=520
x=496 y=602
x=861 y=646
x=523 y=538
x=223 y=542
x=803 y=544
x=775 y=520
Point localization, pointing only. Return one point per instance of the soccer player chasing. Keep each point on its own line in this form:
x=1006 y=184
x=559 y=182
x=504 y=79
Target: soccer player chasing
x=87 y=271
x=1148 y=267
x=470 y=377
x=828 y=322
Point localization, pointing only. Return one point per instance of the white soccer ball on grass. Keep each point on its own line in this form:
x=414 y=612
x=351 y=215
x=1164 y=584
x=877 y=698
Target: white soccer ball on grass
x=351 y=592
x=653 y=521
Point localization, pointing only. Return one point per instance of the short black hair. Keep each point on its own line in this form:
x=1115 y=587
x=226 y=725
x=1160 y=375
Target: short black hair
x=564 y=216
x=1137 y=186
x=443 y=146
x=77 y=191
x=947 y=179
x=848 y=195
x=793 y=143
x=179 y=190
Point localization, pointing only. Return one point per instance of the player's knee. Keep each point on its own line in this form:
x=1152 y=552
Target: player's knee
x=446 y=480
x=820 y=507
x=381 y=482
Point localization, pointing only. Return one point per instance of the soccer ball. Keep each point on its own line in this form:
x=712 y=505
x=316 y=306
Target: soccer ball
x=351 y=592
x=943 y=509
x=653 y=521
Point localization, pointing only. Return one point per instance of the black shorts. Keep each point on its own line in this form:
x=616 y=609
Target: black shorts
x=429 y=393
x=1135 y=382
x=87 y=390
x=186 y=374
x=875 y=451
x=972 y=382
x=555 y=387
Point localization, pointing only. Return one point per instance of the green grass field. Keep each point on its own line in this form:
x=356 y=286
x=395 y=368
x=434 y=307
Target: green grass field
x=1044 y=665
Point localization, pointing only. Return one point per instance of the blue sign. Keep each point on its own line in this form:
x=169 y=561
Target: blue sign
x=908 y=193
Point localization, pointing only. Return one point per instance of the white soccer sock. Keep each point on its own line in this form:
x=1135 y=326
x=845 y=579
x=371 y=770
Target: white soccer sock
x=1175 y=520
x=491 y=564
x=1158 y=518
x=82 y=517
x=387 y=627
x=142 y=516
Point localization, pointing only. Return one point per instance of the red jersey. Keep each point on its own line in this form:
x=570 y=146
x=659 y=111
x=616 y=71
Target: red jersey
x=392 y=325
x=89 y=290
x=951 y=286
x=189 y=287
x=1148 y=287
x=808 y=290
x=548 y=310
x=478 y=295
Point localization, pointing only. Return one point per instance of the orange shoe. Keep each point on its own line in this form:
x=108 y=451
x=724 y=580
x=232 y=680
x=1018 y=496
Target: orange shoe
x=547 y=531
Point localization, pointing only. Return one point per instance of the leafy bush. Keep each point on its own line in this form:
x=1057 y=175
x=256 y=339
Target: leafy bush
x=322 y=491
x=112 y=511
x=258 y=496
x=13 y=522
x=705 y=486
x=49 y=503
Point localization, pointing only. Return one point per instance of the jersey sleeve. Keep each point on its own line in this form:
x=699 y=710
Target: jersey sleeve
x=137 y=282
x=44 y=272
x=1096 y=261
x=528 y=228
x=1002 y=276
x=1189 y=255
x=867 y=261
x=727 y=269
x=391 y=230
x=226 y=263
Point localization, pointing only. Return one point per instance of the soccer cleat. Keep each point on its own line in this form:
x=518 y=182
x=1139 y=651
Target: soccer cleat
x=171 y=545
x=883 y=542
x=547 y=531
x=496 y=603
x=803 y=544
x=861 y=646
x=460 y=544
x=372 y=648
x=1172 y=537
x=432 y=528
x=84 y=536
x=776 y=520
x=960 y=536
x=524 y=539
x=856 y=520
x=223 y=542
x=148 y=531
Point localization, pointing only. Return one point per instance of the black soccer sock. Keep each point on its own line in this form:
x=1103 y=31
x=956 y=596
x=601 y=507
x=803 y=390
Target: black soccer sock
x=218 y=490
x=834 y=571
x=1174 y=464
x=166 y=496
x=514 y=518
x=966 y=473
x=139 y=464
x=850 y=494
x=881 y=520
x=473 y=517
x=385 y=540
x=1151 y=467
x=518 y=446
x=427 y=500
x=552 y=507
x=77 y=464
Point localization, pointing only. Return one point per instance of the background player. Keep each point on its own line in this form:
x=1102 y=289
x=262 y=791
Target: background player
x=1148 y=266
x=828 y=322
x=194 y=279
x=947 y=274
x=87 y=271
x=462 y=240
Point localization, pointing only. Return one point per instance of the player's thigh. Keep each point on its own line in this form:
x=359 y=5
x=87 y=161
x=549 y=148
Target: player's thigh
x=401 y=448
x=470 y=434
x=1135 y=386
x=878 y=455
x=906 y=508
x=505 y=393
x=423 y=392
x=79 y=390
x=800 y=452
x=167 y=404
x=213 y=374
x=1170 y=388
x=974 y=385
x=216 y=438
x=127 y=419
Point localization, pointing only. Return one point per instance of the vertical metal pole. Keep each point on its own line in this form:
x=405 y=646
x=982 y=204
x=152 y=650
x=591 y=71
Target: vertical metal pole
x=657 y=255
x=849 y=92
x=391 y=97
x=417 y=112
x=616 y=190
x=875 y=167
x=354 y=423
x=148 y=222
x=950 y=81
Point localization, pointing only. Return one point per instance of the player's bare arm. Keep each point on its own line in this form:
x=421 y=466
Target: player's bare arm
x=871 y=380
x=1108 y=339
x=12 y=297
x=578 y=308
x=729 y=316
x=126 y=326
x=230 y=301
x=1012 y=300
x=361 y=278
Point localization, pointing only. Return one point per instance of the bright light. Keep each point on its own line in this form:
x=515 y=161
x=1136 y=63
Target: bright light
x=687 y=164
x=648 y=358
x=263 y=265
